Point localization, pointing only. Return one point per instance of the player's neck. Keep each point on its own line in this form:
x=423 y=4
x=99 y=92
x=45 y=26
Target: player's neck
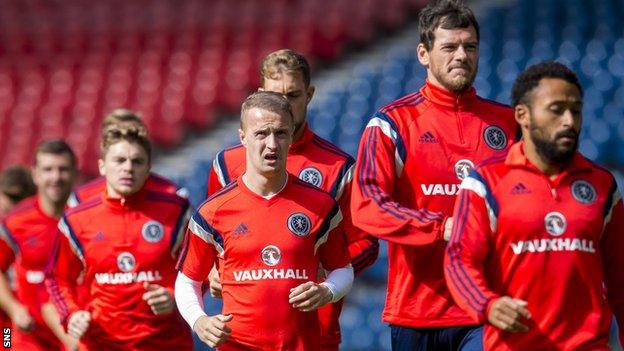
x=50 y=208
x=265 y=186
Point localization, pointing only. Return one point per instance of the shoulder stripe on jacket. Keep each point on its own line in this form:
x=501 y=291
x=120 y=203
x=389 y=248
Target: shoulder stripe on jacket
x=75 y=244
x=200 y=227
x=331 y=221
x=7 y=237
x=390 y=130
x=221 y=168
x=344 y=177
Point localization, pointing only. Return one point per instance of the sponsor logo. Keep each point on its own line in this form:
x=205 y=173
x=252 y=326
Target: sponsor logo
x=119 y=278
x=126 y=262
x=557 y=244
x=495 y=137
x=520 y=189
x=270 y=274
x=555 y=223
x=153 y=231
x=428 y=138
x=271 y=255
x=312 y=176
x=583 y=192
x=241 y=229
x=439 y=189
x=299 y=224
x=35 y=277
x=462 y=168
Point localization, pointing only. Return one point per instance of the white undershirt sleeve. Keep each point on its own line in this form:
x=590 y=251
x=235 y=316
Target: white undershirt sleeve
x=339 y=282
x=189 y=299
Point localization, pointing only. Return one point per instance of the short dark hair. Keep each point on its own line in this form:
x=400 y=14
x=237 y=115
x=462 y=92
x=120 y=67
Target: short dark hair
x=529 y=79
x=55 y=147
x=17 y=184
x=269 y=101
x=446 y=14
x=287 y=60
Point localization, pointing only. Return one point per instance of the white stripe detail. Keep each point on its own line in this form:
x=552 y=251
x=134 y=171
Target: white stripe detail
x=386 y=128
x=64 y=228
x=205 y=236
x=617 y=197
x=4 y=235
x=478 y=188
x=72 y=201
x=175 y=250
x=346 y=179
x=333 y=223
x=183 y=192
x=217 y=168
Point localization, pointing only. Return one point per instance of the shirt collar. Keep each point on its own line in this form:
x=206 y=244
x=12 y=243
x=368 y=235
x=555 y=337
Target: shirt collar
x=306 y=136
x=124 y=202
x=446 y=98
x=517 y=158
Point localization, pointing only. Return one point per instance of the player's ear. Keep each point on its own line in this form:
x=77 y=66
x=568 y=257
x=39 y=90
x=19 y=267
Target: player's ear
x=310 y=93
x=423 y=55
x=101 y=167
x=522 y=115
x=241 y=136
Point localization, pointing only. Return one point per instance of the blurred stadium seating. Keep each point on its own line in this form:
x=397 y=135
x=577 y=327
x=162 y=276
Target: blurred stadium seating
x=64 y=64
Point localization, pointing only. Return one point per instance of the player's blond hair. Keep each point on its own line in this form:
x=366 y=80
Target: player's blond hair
x=267 y=101
x=284 y=60
x=122 y=118
x=117 y=133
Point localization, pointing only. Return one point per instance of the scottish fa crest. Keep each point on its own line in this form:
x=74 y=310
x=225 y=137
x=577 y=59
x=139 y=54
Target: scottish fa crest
x=153 y=231
x=462 y=168
x=126 y=262
x=495 y=137
x=312 y=176
x=583 y=192
x=299 y=224
x=271 y=255
x=555 y=223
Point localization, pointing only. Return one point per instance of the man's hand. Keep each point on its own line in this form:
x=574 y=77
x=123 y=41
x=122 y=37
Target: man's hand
x=448 y=228
x=213 y=330
x=21 y=318
x=78 y=323
x=215 y=283
x=505 y=314
x=158 y=298
x=309 y=296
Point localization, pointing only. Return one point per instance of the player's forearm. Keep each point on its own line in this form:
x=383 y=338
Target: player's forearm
x=7 y=299
x=53 y=321
x=339 y=282
x=188 y=298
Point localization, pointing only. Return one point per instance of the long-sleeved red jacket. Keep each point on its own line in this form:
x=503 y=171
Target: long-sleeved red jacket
x=412 y=157
x=322 y=164
x=550 y=242
x=117 y=246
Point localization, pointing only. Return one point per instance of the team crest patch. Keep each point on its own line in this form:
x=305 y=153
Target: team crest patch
x=312 y=176
x=153 y=231
x=555 y=223
x=462 y=168
x=126 y=262
x=495 y=137
x=583 y=192
x=271 y=255
x=299 y=224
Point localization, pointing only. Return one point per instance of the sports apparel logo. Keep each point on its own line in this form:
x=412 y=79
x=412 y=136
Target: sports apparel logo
x=153 y=231
x=241 y=229
x=583 y=192
x=495 y=137
x=271 y=255
x=555 y=223
x=299 y=224
x=462 y=168
x=126 y=262
x=519 y=189
x=428 y=138
x=312 y=176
